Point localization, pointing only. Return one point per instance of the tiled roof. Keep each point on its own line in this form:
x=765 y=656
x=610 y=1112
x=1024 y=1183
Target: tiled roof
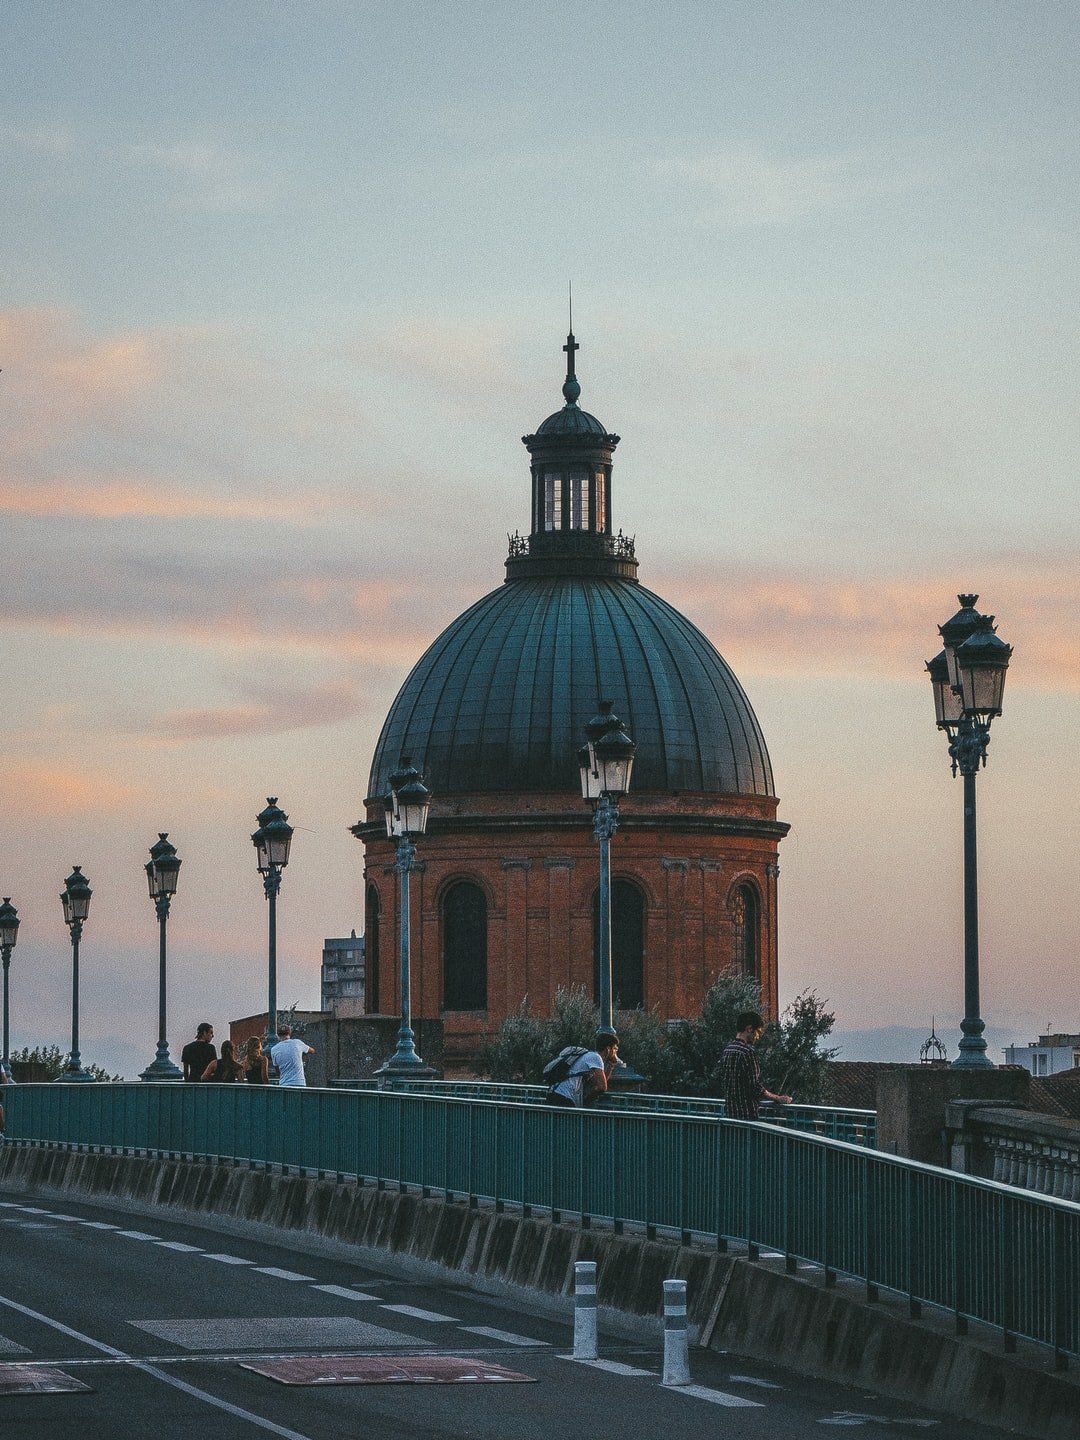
x=1057 y=1094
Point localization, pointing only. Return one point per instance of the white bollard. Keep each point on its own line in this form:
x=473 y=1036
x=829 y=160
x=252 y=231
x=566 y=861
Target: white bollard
x=676 y=1343
x=584 y=1310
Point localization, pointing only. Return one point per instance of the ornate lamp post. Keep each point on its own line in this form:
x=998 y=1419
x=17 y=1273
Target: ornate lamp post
x=605 y=761
x=968 y=679
x=9 y=933
x=272 y=840
x=406 y=809
x=162 y=870
x=75 y=898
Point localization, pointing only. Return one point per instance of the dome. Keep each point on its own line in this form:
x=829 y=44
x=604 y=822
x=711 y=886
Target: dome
x=500 y=701
x=571 y=420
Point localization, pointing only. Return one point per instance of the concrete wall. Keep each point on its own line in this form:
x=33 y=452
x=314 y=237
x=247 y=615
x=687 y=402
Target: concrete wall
x=911 y=1102
x=735 y=1306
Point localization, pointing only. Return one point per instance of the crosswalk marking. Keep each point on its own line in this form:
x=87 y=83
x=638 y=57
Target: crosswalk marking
x=506 y=1336
x=281 y=1274
x=344 y=1294
x=414 y=1314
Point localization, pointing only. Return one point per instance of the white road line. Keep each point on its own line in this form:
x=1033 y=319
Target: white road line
x=342 y=1293
x=753 y=1380
x=614 y=1367
x=281 y=1274
x=33 y=1210
x=71 y=1219
x=94 y=1224
x=228 y=1259
x=506 y=1336
x=414 y=1314
x=157 y=1374
x=180 y=1246
x=139 y=1235
x=715 y=1397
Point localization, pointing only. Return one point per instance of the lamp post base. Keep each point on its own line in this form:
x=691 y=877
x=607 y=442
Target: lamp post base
x=162 y=1068
x=405 y=1066
x=973 y=1054
x=74 y=1076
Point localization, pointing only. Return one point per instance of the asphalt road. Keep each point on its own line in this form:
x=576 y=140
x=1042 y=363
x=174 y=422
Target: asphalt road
x=159 y=1318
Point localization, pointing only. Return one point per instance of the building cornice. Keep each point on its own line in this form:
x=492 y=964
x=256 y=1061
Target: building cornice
x=746 y=826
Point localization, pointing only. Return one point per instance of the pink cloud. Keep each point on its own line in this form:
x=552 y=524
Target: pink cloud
x=267 y=710
x=42 y=791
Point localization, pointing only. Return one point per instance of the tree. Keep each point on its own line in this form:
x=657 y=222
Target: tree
x=54 y=1059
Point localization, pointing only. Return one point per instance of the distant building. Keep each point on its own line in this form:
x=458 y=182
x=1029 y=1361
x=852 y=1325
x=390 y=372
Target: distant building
x=343 y=975
x=1049 y=1055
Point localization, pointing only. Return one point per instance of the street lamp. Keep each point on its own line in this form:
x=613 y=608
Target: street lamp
x=605 y=762
x=162 y=870
x=405 y=807
x=272 y=840
x=968 y=680
x=75 y=898
x=9 y=933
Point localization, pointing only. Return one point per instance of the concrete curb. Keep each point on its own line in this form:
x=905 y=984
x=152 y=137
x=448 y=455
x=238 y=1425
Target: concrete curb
x=734 y=1305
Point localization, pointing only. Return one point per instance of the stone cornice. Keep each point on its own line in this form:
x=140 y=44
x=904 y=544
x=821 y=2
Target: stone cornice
x=747 y=826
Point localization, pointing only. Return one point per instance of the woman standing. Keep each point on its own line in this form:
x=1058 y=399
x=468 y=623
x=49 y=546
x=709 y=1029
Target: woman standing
x=225 y=1070
x=257 y=1070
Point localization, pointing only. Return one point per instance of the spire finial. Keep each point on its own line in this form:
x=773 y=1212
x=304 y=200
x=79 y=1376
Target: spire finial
x=571 y=389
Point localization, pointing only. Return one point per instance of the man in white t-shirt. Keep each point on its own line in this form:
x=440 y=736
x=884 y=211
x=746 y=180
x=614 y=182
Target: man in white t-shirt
x=589 y=1073
x=288 y=1056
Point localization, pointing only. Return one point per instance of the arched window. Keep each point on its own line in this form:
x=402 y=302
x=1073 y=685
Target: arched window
x=464 y=927
x=371 y=950
x=746 y=927
x=627 y=945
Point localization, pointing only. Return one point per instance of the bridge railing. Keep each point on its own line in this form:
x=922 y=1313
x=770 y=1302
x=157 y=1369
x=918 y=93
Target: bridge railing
x=985 y=1251
x=858 y=1127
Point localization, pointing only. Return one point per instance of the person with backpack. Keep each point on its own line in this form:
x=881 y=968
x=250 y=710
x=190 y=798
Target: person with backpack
x=579 y=1076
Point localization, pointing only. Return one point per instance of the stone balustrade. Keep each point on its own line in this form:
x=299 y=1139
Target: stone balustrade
x=1016 y=1147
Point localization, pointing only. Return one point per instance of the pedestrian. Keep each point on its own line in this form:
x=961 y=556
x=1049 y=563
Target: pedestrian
x=740 y=1073
x=226 y=1070
x=256 y=1065
x=197 y=1054
x=288 y=1057
x=578 y=1076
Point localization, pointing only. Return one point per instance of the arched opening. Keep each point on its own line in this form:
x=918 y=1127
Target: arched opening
x=627 y=945
x=371 y=950
x=746 y=929
x=464 y=930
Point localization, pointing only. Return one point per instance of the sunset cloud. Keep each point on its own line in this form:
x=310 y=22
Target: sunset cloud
x=266 y=710
x=40 y=791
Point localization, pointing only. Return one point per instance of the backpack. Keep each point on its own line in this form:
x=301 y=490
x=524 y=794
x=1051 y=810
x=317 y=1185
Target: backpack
x=558 y=1070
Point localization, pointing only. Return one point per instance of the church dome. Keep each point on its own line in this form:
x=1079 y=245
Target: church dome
x=501 y=699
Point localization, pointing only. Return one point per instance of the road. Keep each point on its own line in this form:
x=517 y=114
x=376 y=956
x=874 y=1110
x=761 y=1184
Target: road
x=158 y=1319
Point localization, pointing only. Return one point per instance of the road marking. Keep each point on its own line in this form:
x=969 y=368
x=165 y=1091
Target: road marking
x=153 y=1371
x=414 y=1314
x=37 y=1210
x=506 y=1336
x=179 y=1245
x=228 y=1259
x=716 y=1397
x=139 y=1235
x=280 y=1274
x=70 y=1219
x=753 y=1380
x=613 y=1367
x=342 y=1293
x=92 y=1224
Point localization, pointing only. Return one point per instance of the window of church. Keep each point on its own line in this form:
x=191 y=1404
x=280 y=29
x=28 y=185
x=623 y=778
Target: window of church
x=553 y=488
x=371 y=931
x=464 y=926
x=627 y=945
x=601 y=497
x=746 y=926
x=579 y=498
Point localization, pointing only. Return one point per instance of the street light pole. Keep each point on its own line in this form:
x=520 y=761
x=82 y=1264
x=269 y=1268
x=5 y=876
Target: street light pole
x=968 y=679
x=406 y=808
x=605 y=762
x=162 y=870
x=272 y=841
x=76 y=901
x=9 y=933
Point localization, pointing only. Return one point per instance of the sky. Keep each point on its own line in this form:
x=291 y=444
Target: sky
x=283 y=285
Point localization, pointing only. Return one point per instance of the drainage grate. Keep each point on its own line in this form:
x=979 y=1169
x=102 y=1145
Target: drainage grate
x=384 y=1370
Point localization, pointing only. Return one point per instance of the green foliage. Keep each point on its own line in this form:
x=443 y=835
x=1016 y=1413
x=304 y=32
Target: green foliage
x=682 y=1058
x=54 y=1059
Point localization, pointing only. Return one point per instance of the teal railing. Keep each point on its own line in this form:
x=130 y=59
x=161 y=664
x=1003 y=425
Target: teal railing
x=987 y=1252
x=858 y=1127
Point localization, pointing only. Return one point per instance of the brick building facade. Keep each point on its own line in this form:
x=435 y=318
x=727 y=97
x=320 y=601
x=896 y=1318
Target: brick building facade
x=504 y=897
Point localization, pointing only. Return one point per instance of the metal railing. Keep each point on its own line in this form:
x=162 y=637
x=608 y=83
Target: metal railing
x=858 y=1127
x=985 y=1251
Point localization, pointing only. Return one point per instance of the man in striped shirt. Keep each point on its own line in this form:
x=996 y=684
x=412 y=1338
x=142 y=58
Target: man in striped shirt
x=740 y=1073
